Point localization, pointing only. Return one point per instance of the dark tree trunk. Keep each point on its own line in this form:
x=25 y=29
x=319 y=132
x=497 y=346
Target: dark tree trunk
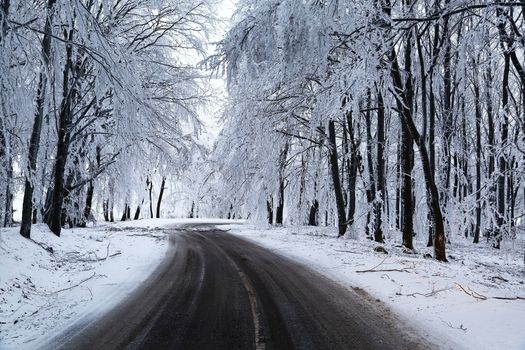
x=479 y=121
x=149 y=185
x=502 y=161
x=162 y=187
x=314 y=212
x=137 y=211
x=407 y=151
x=491 y=140
x=424 y=109
x=399 y=216
x=5 y=157
x=380 y=169
x=407 y=195
x=279 y=213
x=89 y=201
x=371 y=188
x=4 y=12
x=34 y=143
x=338 y=191
x=105 y=209
x=125 y=213
x=436 y=48
x=353 y=164
x=269 y=210
x=447 y=116
x=8 y=210
x=432 y=191
x=63 y=141
x=192 y=211
x=111 y=215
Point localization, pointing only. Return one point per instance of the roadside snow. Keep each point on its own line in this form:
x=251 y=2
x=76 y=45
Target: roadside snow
x=49 y=283
x=91 y=270
x=424 y=292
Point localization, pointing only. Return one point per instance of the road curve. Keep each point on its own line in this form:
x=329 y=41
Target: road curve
x=218 y=291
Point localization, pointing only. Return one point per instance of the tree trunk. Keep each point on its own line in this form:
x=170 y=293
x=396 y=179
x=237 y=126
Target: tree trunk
x=279 y=213
x=191 y=215
x=89 y=201
x=479 y=121
x=63 y=141
x=4 y=12
x=149 y=185
x=125 y=213
x=380 y=169
x=137 y=212
x=105 y=209
x=314 y=212
x=338 y=191
x=371 y=188
x=502 y=161
x=491 y=140
x=34 y=143
x=111 y=200
x=162 y=187
x=432 y=191
x=269 y=210
x=353 y=164
x=9 y=196
x=447 y=116
x=407 y=151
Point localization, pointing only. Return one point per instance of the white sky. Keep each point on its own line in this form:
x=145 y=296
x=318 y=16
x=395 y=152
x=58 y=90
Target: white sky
x=210 y=119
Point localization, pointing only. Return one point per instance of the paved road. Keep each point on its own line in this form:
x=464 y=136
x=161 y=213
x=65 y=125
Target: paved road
x=218 y=291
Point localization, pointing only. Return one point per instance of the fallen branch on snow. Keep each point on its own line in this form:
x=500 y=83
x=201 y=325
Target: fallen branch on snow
x=76 y=257
x=429 y=294
x=146 y=235
x=461 y=328
x=346 y=251
x=44 y=246
x=478 y=296
x=75 y=285
x=375 y=268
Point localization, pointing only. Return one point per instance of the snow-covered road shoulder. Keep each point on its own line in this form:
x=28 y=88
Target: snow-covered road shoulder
x=461 y=304
x=48 y=283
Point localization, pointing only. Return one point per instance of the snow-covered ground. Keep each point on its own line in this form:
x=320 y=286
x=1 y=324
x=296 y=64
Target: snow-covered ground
x=90 y=270
x=49 y=283
x=430 y=295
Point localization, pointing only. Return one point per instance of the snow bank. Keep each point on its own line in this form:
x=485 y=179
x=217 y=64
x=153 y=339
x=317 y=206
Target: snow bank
x=428 y=294
x=48 y=283
x=91 y=270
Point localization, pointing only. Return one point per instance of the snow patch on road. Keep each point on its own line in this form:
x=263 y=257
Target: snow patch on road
x=430 y=295
x=49 y=282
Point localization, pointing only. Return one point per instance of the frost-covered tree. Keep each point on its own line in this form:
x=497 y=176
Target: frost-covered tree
x=352 y=88
x=110 y=95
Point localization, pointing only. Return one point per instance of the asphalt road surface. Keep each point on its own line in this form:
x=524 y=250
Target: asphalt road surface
x=218 y=291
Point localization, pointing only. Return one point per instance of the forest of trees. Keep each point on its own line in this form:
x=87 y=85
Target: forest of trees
x=99 y=105
x=385 y=117
x=379 y=117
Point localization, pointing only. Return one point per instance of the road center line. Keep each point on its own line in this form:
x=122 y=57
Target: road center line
x=260 y=343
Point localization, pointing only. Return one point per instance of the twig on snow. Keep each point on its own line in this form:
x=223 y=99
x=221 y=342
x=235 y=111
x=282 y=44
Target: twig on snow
x=75 y=285
x=429 y=294
x=43 y=246
x=470 y=292
x=346 y=251
x=478 y=296
x=375 y=269
x=461 y=328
